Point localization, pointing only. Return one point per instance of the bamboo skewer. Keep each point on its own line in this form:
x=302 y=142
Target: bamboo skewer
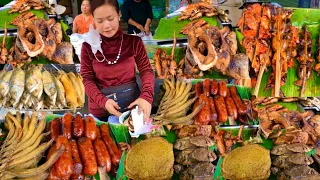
x=257 y=87
x=278 y=65
x=304 y=63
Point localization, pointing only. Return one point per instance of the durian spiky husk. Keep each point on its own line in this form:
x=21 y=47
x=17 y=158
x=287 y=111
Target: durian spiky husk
x=150 y=159
x=247 y=162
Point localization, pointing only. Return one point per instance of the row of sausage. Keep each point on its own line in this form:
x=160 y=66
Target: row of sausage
x=87 y=147
x=221 y=102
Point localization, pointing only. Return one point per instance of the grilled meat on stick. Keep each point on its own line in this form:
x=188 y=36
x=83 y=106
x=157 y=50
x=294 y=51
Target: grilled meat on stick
x=165 y=65
x=305 y=59
x=255 y=26
x=283 y=45
x=317 y=67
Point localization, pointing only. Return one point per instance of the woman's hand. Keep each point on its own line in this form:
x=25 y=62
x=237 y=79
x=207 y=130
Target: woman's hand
x=112 y=107
x=147 y=29
x=140 y=27
x=144 y=106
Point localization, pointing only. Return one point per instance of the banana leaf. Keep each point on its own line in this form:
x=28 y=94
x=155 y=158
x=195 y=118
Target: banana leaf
x=166 y=27
x=6 y=17
x=300 y=17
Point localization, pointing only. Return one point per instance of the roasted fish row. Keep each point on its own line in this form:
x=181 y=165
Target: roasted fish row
x=38 y=89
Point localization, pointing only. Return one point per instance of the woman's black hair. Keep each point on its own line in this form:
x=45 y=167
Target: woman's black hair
x=97 y=3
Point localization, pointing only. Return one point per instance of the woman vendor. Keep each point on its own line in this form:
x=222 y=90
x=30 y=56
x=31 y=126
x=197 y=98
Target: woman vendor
x=82 y=21
x=109 y=77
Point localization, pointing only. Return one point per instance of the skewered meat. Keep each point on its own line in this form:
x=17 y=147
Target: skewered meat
x=194 y=24
x=317 y=67
x=305 y=59
x=25 y=5
x=3 y=49
x=22 y=17
x=197 y=10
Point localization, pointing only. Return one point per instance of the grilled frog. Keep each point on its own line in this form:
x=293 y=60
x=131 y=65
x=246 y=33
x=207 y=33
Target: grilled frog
x=193 y=142
x=203 y=171
x=189 y=157
x=290 y=148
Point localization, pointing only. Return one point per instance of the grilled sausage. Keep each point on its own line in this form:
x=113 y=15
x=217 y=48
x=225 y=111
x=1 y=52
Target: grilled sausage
x=198 y=89
x=77 y=164
x=242 y=109
x=78 y=126
x=77 y=177
x=204 y=116
x=102 y=154
x=111 y=146
x=87 y=156
x=223 y=88
x=228 y=92
x=206 y=87
x=231 y=107
x=214 y=115
x=64 y=164
x=55 y=125
x=53 y=175
x=214 y=87
x=90 y=129
x=221 y=108
x=98 y=132
x=67 y=125
x=52 y=149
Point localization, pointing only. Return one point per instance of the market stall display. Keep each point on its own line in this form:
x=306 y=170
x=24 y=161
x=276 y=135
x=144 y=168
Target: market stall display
x=23 y=148
x=35 y=88
x=204 y=127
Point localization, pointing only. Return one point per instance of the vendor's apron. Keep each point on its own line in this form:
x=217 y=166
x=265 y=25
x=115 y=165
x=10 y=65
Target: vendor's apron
x=124 y=95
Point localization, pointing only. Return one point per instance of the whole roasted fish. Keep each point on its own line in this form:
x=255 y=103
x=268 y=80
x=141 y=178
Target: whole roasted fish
x=61 y=94
x=49 y=87
x=71 y=94
x=76 y=85
x=4 y=83
x=34 y=84
x=17 y=86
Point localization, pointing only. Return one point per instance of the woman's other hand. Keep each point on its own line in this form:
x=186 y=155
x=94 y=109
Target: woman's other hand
x=144 y=106
x=147 y=29
x=140 y=27
x=112 y=107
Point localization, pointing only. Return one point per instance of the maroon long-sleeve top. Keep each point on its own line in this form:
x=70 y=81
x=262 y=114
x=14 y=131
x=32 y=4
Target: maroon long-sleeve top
x=98 y=75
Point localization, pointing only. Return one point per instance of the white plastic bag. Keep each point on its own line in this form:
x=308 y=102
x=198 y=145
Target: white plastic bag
x=93 y=38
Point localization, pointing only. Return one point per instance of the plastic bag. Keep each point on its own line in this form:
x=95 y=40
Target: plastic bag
x=93 y=38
